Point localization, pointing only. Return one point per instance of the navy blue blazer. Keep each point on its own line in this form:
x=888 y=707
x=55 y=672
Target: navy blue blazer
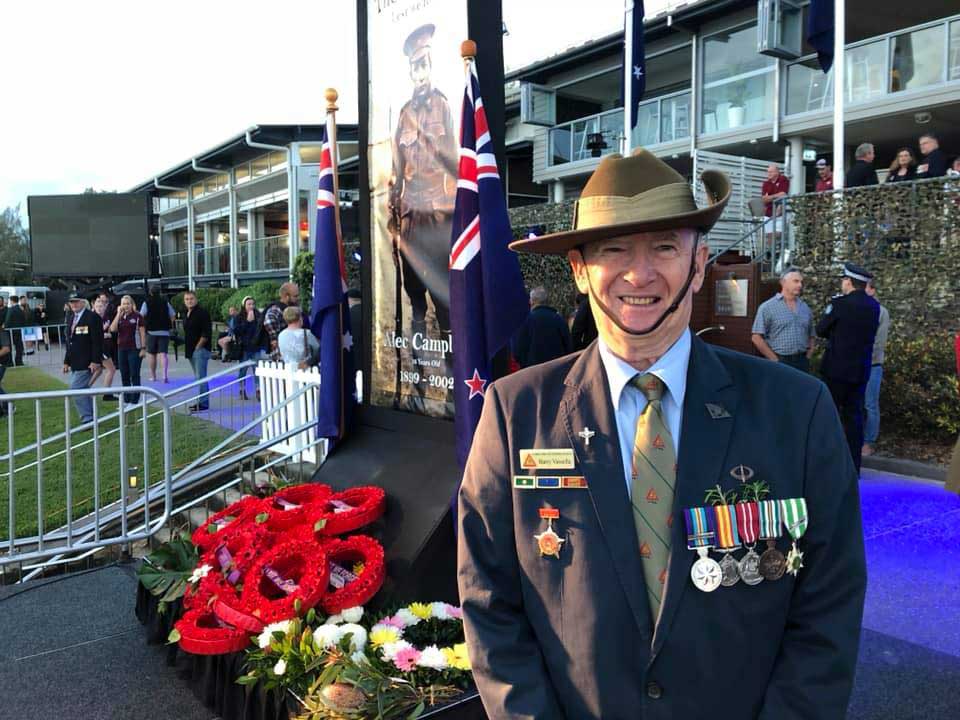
x=571 y=637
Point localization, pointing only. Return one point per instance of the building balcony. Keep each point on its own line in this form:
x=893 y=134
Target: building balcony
x=213 y=260
x=174 y=264
x=269 y=254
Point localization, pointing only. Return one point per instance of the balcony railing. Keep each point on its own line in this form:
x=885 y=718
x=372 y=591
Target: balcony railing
x=214 y=260
x=663 y=119
x=264 y=254
x=173 y=264
x=918 y=57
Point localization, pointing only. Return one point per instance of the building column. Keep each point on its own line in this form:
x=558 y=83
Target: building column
x=191 y=252
x=293 y=207
x=796 y=170
x=234 y=249
x=556 y=191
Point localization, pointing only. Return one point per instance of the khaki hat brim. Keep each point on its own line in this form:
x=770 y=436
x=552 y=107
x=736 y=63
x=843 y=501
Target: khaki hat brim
x=703 y=219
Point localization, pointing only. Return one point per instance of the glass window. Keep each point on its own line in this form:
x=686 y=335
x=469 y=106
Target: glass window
x=865 y=71
x=738 y=81
x=560 y=145
x=953 y=72
x=278 y=160
x=241 y=174
x=310 y=154
x=196 y=190
x=808 y=89
x=260 y=166
x=675 y=118
x=917 y=59
x=645 y=132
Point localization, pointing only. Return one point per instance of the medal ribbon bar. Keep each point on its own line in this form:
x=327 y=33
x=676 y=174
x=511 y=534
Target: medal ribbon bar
x=748 y=522
x=700 y=528
x=727 y=536
x=795 y=516
x=769 y=519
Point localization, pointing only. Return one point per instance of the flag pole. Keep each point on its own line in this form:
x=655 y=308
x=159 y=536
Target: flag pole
x=839 y=65
x=468 y=51
x=331 y=96
x=627 y=74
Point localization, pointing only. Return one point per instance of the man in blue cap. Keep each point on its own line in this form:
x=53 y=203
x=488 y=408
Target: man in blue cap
x=849 y=325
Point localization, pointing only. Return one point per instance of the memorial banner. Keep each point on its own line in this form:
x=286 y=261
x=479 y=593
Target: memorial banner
x=415 y=85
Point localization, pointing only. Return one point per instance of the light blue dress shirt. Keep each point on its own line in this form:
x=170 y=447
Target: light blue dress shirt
x=628 y=402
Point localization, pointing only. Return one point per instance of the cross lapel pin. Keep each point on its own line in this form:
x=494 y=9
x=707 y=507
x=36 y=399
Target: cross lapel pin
x=586 y=434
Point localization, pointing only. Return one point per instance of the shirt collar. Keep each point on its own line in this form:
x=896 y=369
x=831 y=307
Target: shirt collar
x=671 y=368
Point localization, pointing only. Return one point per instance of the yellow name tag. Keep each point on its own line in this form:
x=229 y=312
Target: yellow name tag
x=551 y=459
x=82 y=330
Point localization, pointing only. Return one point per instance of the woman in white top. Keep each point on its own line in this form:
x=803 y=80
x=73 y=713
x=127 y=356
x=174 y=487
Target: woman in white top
x=298 y=346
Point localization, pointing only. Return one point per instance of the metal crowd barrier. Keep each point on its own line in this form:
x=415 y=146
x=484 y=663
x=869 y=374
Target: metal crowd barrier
x=81 y=445
x=37 y=345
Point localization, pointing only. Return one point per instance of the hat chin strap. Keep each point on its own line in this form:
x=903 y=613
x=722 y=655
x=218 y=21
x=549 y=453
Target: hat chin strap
x=666 y=313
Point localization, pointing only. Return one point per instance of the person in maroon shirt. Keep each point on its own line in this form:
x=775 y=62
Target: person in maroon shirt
x=774 y=187
x=824 y=176
x=131 y=334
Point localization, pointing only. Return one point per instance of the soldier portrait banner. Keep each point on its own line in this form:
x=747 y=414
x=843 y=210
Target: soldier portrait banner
x=415 y=83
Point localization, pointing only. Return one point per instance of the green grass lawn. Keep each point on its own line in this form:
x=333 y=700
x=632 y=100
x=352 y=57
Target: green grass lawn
x=191 y=436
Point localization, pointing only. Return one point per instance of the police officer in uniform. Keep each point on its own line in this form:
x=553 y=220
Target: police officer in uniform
x=423 y=186
x=849 y=325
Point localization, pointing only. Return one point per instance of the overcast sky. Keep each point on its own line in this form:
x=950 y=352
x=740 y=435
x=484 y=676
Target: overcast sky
x=108 y=93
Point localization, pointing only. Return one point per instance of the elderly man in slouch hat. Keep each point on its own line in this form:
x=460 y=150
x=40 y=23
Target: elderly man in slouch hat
x=644 y=532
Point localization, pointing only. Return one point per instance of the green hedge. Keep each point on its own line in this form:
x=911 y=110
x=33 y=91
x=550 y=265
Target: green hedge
x=263 y=292
x=210 y=298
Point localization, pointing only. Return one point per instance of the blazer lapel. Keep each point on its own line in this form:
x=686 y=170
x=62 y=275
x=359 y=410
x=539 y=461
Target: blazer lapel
x=709 y=412
x=587 y=404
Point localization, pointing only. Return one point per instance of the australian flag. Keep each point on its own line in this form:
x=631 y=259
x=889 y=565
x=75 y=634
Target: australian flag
x=638 y=61
x=820 y=26
x=487 y=297
x=329 y=316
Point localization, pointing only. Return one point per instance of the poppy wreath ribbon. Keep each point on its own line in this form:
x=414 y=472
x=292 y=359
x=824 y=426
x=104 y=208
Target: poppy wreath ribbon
x=357 y=572
x=290 y=573
x=350 y=510
x=233 y=558
x=202 y=633
x=226 y=522
x=295 y=505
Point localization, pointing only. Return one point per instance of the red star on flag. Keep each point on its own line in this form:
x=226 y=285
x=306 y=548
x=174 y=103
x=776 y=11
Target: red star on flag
x=476 y=385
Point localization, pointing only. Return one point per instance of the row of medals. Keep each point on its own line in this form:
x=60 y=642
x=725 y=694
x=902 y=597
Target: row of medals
x=708 y=574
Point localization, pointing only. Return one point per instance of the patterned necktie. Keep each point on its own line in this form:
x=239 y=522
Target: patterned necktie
x=654 y=476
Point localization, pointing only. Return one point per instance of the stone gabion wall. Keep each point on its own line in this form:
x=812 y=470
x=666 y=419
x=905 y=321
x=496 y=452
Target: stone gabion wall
x=550 y=271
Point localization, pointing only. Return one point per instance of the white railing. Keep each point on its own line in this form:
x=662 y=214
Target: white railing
x=277 y=382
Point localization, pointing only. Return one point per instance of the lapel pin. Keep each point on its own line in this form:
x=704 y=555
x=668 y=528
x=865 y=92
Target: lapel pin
x=717 y=412
x=586 y=434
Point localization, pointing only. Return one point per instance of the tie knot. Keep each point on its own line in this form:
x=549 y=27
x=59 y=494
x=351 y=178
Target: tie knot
x=650 y=385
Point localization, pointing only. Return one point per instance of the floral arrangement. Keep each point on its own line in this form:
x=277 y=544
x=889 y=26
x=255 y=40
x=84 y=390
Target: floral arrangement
x=269 y=560
x=167 y=572
x=352 y=665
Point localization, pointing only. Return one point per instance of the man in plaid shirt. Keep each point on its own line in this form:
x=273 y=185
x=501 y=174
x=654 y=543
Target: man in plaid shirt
x=273 y=321
x=783 y=330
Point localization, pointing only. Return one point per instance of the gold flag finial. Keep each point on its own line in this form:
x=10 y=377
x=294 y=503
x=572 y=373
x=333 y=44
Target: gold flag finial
x=468 y=49
x=331 y=95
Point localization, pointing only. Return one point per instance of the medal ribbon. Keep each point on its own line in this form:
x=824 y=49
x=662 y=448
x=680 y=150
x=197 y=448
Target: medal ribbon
x=700 y=528
x=748 y=522
x=795 y=516
x=727 y=536
x=769 y=519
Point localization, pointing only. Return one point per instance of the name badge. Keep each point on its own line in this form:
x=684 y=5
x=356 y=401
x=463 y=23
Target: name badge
x=548 y=459
x=82 y=330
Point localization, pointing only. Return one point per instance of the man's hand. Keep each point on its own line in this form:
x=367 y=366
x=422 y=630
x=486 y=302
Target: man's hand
x=66 y=368
x=95 y=367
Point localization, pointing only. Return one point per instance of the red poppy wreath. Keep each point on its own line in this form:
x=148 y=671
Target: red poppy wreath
x=202 y=633
x=288 y=576
x=296 y=505
x=226 y=522
x=350 y=510
x=356 y=572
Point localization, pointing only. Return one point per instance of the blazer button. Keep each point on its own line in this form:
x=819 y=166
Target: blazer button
x=654 y=691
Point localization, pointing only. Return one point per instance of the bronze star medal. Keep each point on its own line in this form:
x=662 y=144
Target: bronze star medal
x=548 y=542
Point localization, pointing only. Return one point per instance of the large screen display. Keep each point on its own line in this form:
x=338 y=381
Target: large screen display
x=416 y=81
x=90 y=235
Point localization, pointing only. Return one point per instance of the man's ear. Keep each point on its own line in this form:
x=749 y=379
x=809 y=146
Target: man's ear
x=579 y=268
x=702 y=254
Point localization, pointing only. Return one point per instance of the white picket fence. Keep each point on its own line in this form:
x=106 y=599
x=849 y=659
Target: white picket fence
x=277 y=382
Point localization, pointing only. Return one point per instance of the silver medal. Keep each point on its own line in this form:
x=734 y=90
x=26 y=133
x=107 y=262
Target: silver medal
x=750 y=568
x=706 y=573
x=730 y=569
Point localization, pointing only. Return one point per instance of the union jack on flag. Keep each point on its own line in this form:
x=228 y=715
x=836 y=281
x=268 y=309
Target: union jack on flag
x=329 y=316
x=487 y=297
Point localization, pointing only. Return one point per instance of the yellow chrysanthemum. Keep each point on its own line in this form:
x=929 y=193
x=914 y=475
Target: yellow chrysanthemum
x=358 y=568
x=422 y=610
x=383 y=635
x=457 y=656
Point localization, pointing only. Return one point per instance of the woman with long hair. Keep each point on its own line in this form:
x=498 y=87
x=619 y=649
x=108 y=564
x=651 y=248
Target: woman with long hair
x=904 y=166
x=247 y=331
x=131 y=336
x=109 y=349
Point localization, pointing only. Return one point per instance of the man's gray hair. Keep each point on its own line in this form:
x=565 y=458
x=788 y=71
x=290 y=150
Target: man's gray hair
x=798 y=271
x=863 y=149
x=539 y=296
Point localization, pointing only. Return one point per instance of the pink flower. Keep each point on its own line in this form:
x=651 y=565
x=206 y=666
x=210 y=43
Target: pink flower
x=406 y=659
x=455 y=612
x=393 y=621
